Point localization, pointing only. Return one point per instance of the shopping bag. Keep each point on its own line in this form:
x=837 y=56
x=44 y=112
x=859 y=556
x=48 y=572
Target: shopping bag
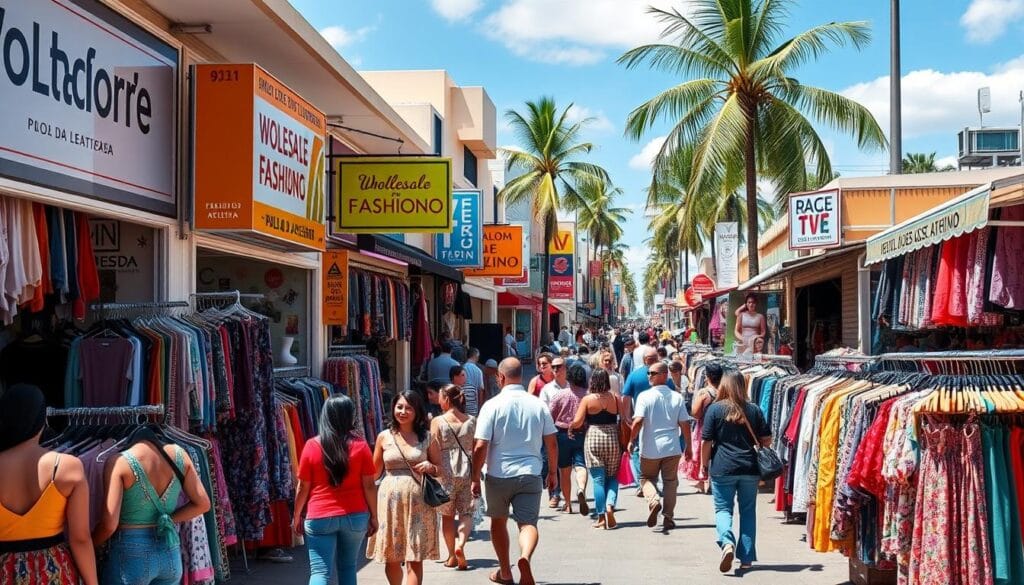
x=626 y=471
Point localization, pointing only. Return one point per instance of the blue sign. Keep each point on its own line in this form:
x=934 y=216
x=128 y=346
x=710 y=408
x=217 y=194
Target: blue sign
x=461 y=248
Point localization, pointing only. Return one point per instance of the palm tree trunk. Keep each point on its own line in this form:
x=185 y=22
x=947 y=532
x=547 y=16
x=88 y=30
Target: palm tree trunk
x=545 y=319
x=750 y=162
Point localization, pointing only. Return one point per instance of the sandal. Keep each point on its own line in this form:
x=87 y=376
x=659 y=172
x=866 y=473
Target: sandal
x=581 y=497
x=495 y=577
x=600 y=524
x=460 y=560
x=610 y=518
x=451 y=563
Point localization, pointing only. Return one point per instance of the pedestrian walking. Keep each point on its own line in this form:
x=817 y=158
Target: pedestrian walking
x=41 y=493
x=607 y=363
x=548 y=374
x=510 y=431
x=454 y=431
x=407 y=526
x=475 y=377
x=659 y=418
x=338 y=492
x=599 y=413
x=626 y=361
x=729 y=455
x=563 y=406
x=460 y=377
x=702 y=399
x=141 y=513
x=544 y=373
x=440 y=365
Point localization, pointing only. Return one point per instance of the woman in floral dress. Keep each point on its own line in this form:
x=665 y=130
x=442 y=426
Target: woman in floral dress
x=453 y=431
x=407 y=525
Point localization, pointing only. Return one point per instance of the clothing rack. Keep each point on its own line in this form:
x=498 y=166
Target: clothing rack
x=125 y=308
x=342 y=350
x=202 y=301
x=145 y=410
x=925 y=361
x=291 y=372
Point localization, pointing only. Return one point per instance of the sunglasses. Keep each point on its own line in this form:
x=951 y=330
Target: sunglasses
x=653 y=373
x=557 y=366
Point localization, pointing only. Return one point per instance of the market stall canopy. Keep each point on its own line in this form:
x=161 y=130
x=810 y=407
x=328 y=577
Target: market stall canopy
x=952 y=219
x=785 y=267
x=418 y=260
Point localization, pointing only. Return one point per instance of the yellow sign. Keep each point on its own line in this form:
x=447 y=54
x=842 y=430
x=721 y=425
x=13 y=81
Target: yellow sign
x=564 y=241
x=393 y=194
x=259 y=157
x=503 y=252
x=335 y=283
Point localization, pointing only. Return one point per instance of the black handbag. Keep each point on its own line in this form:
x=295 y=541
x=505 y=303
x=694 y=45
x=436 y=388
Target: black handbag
x=434 y=494
x=768 y=461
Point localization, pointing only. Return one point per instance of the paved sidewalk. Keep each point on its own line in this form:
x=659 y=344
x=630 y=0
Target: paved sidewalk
x=573 y=553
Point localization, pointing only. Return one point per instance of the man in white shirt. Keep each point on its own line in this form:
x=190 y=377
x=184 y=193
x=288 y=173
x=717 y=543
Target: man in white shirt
x=564 y=337
x=510 y=430
x=659 y=417
x=638 y=352
x=560 y=382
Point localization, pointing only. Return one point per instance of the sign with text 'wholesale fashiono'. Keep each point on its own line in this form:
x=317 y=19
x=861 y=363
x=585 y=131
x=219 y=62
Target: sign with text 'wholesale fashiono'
x=89 y=103
x=503 y=251
x=259 y=157
x=561 y=271
x=461 y=248
x=403 y=194
x=335 y=283
x=814 y=220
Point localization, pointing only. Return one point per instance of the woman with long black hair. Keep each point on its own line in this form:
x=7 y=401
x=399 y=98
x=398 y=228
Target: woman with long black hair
x=405 y=453
x=336 y=487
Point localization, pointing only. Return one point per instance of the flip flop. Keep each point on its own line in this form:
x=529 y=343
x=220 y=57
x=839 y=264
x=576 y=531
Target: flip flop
x=525 y=573
x=495 y=577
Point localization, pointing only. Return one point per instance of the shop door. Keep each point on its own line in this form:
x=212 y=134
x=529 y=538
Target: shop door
x=524 y=333
x=819 y=323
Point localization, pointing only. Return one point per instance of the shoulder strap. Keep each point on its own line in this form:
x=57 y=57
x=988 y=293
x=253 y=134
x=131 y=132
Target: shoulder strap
x=456 y=435
x=753 y=435
x=399 y=447
x=56 y=462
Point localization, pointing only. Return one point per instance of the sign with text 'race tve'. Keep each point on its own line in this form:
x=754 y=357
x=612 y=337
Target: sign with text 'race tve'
x=503 y=251
x=814 y=220
x=259 y=157
x=461 y=248
x=89 y=103
x=402 y=194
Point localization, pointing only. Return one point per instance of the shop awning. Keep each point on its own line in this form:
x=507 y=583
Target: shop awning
x=956 y=217
x=512 y=300
x=786 y=266
x=416 y=259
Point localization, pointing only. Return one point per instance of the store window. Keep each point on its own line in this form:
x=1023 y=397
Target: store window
x=284 y=299
x=469 y=165
x=126 y=257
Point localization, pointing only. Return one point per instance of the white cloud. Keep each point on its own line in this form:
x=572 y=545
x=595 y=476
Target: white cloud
x=946 y=161
x=987 y=20
x=573 y=32
x=643 y=160
x=456 y=10
x=340 y=37
x=598 y=121
x=937 y=102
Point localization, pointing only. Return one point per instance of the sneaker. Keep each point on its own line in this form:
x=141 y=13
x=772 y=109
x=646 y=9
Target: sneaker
x=652 y=518
x=728 y=554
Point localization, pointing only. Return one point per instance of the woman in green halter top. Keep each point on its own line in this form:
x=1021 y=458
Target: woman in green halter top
x=141 y=514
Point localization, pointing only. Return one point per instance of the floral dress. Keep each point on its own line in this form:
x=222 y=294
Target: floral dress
x=457 y=466
x=407 y=526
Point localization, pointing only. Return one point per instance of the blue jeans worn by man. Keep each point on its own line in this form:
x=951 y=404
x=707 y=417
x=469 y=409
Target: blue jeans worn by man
x=334 y=545
x=742 y=490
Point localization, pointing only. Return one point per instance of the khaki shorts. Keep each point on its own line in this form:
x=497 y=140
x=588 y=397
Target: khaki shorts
x=522 y=493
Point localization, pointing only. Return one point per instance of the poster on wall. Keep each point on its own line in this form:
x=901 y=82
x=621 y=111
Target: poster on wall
x=727 y=244
x=89 y=103
x=749 y=317
x=404 y=194
x=502 y=251
x=335 y=287
x=259 y=157
x=814 y=220
x=561 y=272
x=461 y=248
x=125 y=255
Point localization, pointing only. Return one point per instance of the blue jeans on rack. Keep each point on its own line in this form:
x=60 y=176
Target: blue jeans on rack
x=726 y=491
x=334 y=544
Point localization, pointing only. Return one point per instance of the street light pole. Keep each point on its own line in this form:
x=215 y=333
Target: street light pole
x=895 y=108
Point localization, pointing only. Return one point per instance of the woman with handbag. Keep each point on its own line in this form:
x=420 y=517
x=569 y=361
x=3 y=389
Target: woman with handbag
x=602 y=448
x=407 y=524
x=734 y=431
x=454 y=431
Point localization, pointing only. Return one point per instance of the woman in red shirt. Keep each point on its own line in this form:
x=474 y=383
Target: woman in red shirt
x=337 y=490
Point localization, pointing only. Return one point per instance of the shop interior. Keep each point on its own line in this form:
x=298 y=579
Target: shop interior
x=819 y=323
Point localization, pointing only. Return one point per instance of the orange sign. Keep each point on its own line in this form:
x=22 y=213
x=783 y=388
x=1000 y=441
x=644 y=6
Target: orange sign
x=503 y=252
x=335 y=282
x=259 y=157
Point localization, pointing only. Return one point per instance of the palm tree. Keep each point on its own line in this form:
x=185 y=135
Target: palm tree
x=919 y=162
x=629 y=288
x=599 y=218
x=660 y=267
x=740 y=103
x=551 y=172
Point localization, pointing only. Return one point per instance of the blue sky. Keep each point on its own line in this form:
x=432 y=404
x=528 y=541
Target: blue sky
x=522 y=49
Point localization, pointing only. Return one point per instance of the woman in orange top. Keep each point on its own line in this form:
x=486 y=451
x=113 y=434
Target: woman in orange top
x=40 y=492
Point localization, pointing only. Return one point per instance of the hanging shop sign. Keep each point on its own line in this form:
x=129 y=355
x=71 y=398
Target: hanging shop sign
x=814 y=220
x=595 y=268
x=562 y=251
x=461 y=248
x=335 y=283
x=259 y=157
x=523 y=280
x=692 y=298
x=502 y=252
x=702 y=284
x=955 y=218
x=89 y=103
x=404 y=194
x=727 y=245
x=564 y=241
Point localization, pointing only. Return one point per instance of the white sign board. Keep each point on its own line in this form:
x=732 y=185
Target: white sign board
x=89 y=103
x=727 y=246
x=815 y=220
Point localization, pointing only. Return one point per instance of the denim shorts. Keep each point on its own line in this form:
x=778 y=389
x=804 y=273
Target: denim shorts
x=570 y=451
x=138 y=555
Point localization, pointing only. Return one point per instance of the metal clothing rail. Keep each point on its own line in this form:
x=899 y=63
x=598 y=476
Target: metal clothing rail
x=144 y=410
x=291 y=372
x=226 y=298
x=342 y=350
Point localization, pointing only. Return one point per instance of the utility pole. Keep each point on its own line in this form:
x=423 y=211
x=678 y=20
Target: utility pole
x=895 y=81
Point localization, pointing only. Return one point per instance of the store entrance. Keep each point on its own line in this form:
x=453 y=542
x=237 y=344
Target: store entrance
x=819 y=309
